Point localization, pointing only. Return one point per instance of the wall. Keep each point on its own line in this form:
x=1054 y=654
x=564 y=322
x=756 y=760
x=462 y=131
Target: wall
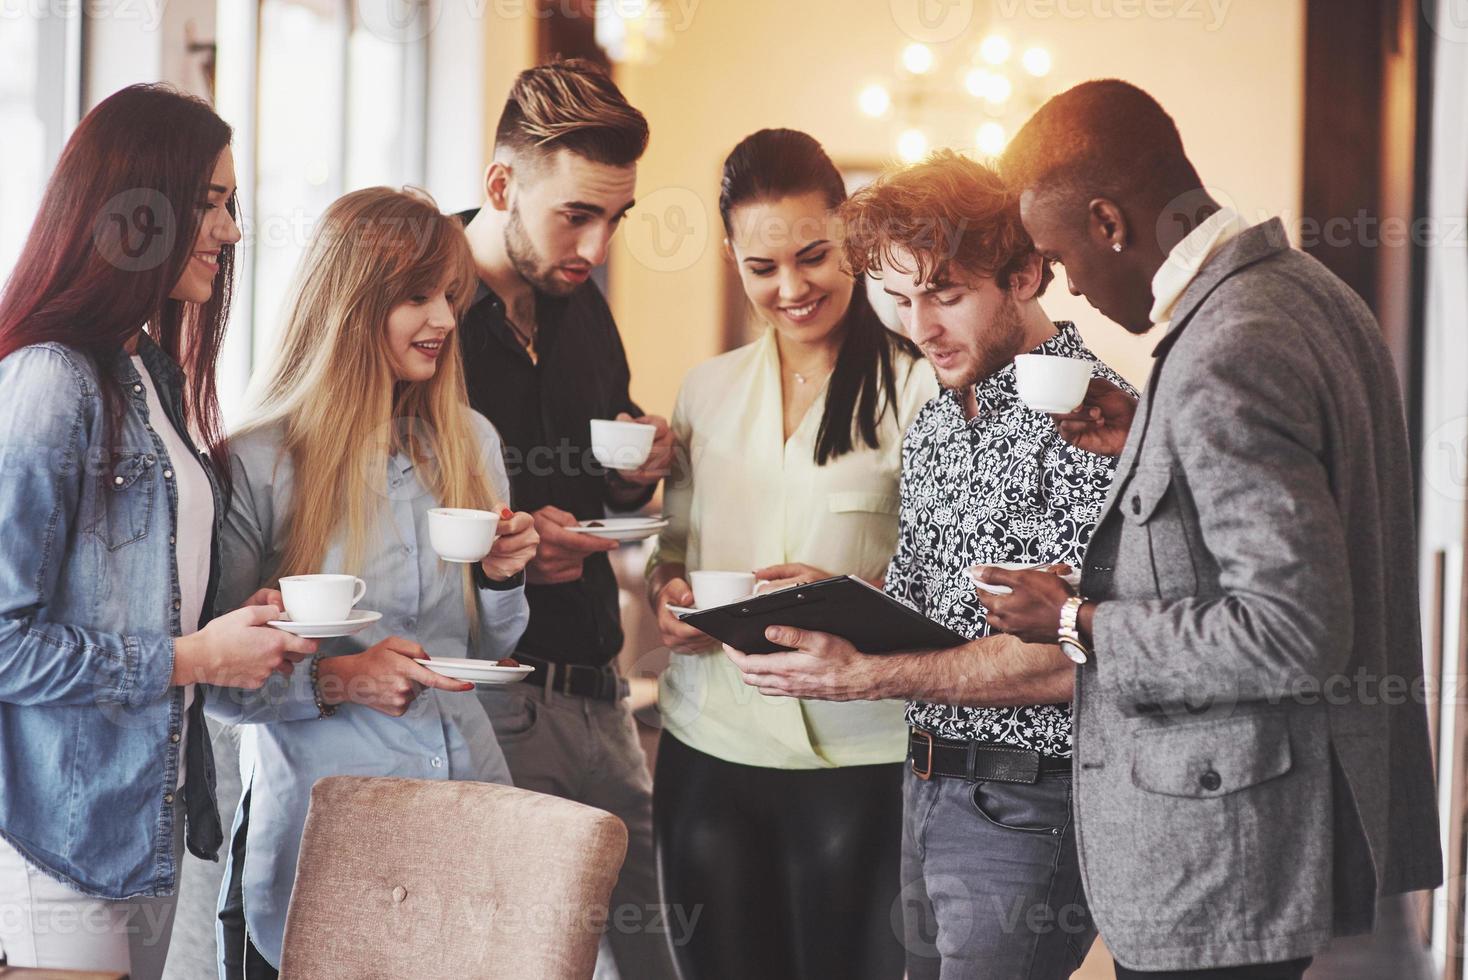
x=1230 y=72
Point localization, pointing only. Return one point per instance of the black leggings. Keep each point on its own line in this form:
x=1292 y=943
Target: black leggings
x=791 y=873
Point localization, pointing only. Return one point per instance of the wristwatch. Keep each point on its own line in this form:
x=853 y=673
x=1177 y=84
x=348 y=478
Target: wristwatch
x=1070 y=635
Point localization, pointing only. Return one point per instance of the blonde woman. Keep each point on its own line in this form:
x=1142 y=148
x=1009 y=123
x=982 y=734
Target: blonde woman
x=358 y=429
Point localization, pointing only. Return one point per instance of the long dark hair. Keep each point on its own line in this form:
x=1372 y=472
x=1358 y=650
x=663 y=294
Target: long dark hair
x=777 y=163
x=116 y=227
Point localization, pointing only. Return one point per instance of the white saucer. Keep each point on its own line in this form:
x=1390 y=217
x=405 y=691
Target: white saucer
x=478 y=671
x=621 y=528
x=359 y=620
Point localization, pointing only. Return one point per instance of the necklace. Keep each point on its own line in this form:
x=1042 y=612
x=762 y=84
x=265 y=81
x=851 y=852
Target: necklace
x=804 y=379
x=526 y=339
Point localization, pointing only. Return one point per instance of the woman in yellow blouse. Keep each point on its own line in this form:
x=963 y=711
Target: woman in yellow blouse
x=781 y=818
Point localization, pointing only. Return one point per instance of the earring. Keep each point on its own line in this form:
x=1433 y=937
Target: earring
x=1118 y=247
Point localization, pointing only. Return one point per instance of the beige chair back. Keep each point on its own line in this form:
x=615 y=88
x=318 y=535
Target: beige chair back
x=448 y=879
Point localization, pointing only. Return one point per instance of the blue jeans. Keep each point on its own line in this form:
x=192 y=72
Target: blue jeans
x=991 y=881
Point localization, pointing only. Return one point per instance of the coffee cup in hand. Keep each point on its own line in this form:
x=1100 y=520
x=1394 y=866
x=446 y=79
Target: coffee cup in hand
x=621 y=445
x=321 y=598
x=462 y=535
x=1054 y=385
x=720 y=588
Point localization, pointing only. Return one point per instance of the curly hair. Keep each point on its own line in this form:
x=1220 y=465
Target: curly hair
x=571 y=104
x=951 y=213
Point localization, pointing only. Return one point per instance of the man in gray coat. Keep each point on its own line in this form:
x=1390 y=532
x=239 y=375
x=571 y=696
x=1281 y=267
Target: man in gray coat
x=1251 y=756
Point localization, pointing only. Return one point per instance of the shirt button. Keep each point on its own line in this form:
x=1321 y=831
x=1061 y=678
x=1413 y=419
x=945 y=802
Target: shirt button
x=117 y=480
x=176 y=604
x=168 y=798
x=410 y=623
x=437 y=762
x=1210 y=781
x=168 y=474
x=1136 y=505
x=172 y=539
x=173 y=737
x=138 y=389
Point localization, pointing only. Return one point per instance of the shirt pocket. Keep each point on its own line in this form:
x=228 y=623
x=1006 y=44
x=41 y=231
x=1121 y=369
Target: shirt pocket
x=127 y=499
x=1151 y=503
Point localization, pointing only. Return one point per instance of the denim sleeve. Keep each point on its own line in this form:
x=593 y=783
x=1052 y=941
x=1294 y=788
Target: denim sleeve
x=45 y=428
x=503 y=616
x=244 y=549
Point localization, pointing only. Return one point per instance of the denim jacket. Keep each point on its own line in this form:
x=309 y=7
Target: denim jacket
x=89 y=609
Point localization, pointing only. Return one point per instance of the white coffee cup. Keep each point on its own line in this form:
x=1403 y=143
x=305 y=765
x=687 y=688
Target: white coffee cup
x=621 y=445
x=462 y=535
x=720 y=588
x=1055 y=385
x=321 y=598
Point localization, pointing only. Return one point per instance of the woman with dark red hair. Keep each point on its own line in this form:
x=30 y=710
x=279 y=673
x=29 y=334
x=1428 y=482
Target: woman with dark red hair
x=111 y=496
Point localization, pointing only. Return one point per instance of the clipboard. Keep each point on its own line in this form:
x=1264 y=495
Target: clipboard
x=845 y=606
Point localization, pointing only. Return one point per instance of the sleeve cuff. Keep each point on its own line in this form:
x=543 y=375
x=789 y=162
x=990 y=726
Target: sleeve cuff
x=486 y=584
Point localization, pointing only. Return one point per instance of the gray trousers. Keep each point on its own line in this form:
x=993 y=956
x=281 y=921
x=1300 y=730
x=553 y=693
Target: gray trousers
x=991 y=884
x=585 y=750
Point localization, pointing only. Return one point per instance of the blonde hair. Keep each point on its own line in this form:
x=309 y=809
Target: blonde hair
x=332 y=389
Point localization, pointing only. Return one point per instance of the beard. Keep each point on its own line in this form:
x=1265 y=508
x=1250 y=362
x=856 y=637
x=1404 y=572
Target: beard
x=528 y=263
x=993 y=349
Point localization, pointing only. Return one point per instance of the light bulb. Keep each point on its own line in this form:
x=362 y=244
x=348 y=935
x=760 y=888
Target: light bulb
x=1037 y=62
x=977 y=82
x=874 y=101
x=990 y=139
x=912 y=145
x=995 y=49
x=917 y=58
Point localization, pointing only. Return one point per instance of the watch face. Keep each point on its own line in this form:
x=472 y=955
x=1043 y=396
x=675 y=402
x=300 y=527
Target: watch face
x=1073 y=651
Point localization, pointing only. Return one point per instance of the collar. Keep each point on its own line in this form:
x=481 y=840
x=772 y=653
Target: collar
x=1188 y=257
x=1000 y=390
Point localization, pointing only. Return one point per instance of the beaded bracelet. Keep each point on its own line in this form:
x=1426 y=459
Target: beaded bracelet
x=323 y=709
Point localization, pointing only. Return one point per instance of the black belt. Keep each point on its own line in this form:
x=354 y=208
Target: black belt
x=932 y=756
x=576 y=680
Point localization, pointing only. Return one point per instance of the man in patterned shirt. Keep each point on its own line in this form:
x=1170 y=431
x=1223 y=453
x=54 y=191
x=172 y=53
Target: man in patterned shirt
x=991 y=885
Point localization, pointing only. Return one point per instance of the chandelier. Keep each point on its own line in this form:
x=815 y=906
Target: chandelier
x=1003 y=82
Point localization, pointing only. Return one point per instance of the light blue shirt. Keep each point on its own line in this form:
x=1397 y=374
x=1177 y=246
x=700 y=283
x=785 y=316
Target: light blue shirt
x=444 y=735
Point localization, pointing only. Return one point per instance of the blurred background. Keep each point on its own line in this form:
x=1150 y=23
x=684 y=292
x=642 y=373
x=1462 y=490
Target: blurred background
x=1347 y=118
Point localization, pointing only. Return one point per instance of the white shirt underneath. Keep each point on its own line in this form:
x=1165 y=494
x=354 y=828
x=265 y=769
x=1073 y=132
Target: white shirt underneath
x=194 y=537
x=1188 y=257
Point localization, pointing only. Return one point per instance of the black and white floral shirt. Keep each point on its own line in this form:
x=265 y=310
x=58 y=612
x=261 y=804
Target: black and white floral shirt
x=1001 y=487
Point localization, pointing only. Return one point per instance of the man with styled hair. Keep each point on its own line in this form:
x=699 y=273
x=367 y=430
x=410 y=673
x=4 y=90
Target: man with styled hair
x=991 y=886
x=542 y=358
x=1251 y=779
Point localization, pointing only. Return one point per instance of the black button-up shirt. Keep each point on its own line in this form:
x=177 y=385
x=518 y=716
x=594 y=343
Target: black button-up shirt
x=543 y=412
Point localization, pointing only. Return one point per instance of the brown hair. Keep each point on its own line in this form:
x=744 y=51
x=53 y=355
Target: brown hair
x=1104 y=138
x=571 y=104
x=950 y=212
x=140 y=162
